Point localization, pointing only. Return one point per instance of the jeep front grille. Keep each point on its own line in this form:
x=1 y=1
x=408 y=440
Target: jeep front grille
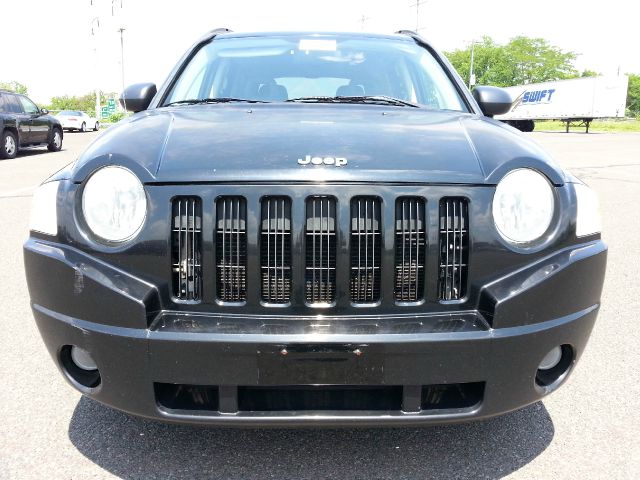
x=275 y=249
x=239 y=247
x=231 y=249
x=186 y=253
x=366 y=243
x=454 y=249
x=410 y=249
x=320 y=248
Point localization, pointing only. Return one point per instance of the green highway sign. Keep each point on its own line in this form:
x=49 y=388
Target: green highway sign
x=104 y=112
x=111 y=106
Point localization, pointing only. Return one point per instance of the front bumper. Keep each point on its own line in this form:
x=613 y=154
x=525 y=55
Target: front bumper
x=251 y=364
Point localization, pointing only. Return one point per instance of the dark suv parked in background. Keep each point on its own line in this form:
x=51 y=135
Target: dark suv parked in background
x=23 y=124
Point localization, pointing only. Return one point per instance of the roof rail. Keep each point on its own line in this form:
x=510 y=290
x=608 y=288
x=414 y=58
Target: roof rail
x=220 y=30
x=410 y=33
x=414 y=35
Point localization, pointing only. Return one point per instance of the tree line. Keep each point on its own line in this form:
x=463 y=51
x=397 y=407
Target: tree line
x=84 y=103
x=520 y=61
x=527 y=60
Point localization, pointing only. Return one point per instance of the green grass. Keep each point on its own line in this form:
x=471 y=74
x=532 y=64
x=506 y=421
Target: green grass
x=626 y=125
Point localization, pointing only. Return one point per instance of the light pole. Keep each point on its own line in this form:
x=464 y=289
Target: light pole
x=96 y=22
x=472 y=76
x=121 y=30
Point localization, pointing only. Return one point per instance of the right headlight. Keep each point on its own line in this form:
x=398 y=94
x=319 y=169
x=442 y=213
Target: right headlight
x=588 y=221
x=523 y=206
x=114 y=204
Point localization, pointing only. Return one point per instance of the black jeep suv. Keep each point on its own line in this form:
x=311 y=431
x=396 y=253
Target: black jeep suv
x=23 y=124
x=314 y=228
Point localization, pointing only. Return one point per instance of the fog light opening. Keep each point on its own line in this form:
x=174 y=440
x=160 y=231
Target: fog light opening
x=83 y=359
x=554 y=367
x=549 y=361
x=80 y=367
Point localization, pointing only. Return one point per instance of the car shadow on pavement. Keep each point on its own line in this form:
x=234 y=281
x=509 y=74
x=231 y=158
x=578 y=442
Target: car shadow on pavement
x=31 y=152
x=131 y=447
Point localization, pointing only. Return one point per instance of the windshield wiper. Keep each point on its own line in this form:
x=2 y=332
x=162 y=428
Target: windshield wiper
x=362 y=99
x=195 y=101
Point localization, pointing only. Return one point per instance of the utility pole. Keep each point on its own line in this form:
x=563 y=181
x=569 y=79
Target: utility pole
x=112 y=3
x=417 y=5
x=363 y=20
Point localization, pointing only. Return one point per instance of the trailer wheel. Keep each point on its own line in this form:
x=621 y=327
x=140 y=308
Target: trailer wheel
x=527 y=125
x=522 y=125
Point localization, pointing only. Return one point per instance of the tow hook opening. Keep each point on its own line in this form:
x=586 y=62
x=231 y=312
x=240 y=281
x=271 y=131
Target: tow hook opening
x=80 y=367
x=554 y=367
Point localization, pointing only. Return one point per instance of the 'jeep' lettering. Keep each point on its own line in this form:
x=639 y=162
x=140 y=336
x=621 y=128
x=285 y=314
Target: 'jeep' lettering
x=335 y=161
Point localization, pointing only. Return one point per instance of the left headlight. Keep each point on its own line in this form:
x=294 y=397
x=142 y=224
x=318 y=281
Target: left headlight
x=523 y=206
x=114 y=204
x=44 y=217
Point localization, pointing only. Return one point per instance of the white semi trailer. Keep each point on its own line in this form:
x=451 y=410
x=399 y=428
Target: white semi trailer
x=576 y=102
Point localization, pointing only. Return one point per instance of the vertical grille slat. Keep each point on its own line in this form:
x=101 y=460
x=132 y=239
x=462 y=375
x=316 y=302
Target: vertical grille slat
x=365 y=249
x=231 y=249
x=454 y=248
x=275 y=253
x=410 y=235
x=320 y=239
x=186 y=248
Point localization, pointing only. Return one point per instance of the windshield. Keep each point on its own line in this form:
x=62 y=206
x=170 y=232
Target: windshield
x=290 y=67
x=69 y=113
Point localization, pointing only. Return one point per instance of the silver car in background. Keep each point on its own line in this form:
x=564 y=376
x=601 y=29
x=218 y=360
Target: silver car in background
x=77 y=120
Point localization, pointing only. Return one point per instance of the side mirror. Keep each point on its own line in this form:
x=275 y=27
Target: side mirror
x=137 y=97
x=44 y=111
x=492 y=100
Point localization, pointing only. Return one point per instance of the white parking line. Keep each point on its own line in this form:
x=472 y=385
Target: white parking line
x=12 y=193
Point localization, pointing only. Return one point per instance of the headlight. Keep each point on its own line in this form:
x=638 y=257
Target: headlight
x=523 y=206
x=588 y=221
x=114 y=204
x=44 y=218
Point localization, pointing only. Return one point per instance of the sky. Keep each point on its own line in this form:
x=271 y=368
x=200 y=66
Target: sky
x=72 y=47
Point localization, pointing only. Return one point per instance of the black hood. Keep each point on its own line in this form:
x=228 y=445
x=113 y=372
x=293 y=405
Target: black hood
x=248 y=143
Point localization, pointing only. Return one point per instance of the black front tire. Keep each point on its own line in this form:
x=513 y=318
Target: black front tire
x=96 y=127
x=8 y=145
x=55 y=145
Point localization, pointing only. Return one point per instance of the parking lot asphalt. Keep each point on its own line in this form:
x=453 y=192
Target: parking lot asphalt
x=588 y=429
